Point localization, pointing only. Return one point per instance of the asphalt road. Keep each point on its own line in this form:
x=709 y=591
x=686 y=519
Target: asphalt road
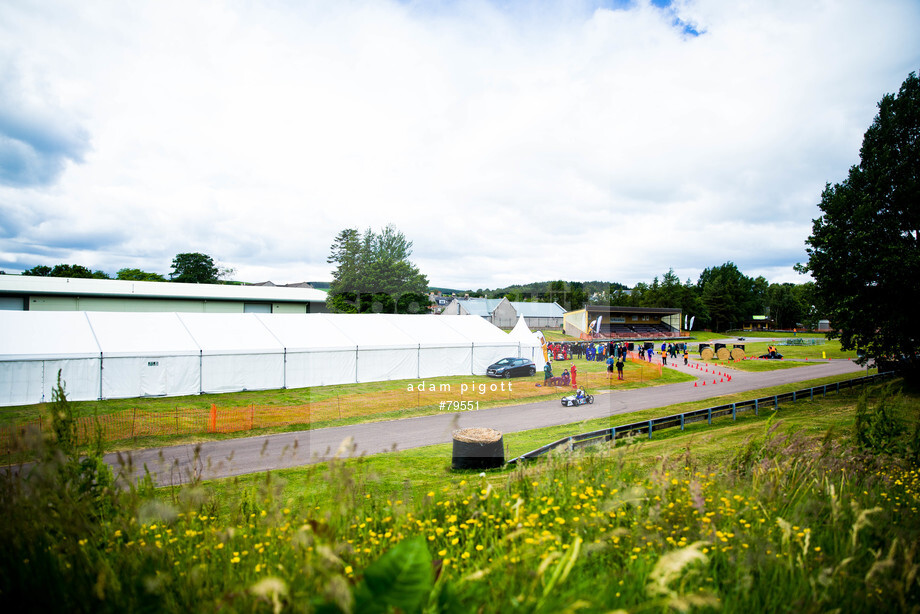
x=180 y=464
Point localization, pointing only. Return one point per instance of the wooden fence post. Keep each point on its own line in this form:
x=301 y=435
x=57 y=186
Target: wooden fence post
x=212 y=426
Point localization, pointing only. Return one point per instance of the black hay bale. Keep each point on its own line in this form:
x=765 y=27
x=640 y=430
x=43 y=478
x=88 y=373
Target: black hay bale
x=478 y=448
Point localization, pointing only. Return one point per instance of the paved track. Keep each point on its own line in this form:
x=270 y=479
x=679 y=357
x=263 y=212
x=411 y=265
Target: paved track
x=178 y=464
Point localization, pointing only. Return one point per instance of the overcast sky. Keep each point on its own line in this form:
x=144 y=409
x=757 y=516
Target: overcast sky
x=510 y=141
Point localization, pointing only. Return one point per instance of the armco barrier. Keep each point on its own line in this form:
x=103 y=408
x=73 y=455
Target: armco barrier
x=647 y=427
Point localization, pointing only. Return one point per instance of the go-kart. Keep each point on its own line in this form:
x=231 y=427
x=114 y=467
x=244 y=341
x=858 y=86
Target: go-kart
x=573 y=400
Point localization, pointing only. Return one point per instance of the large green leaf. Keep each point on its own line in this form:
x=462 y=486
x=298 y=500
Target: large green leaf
x=401 y=578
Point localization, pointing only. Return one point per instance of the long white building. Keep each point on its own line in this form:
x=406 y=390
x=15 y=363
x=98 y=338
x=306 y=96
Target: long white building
x=26 y=293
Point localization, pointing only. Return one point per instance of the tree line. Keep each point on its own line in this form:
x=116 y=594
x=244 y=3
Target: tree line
x=722 y=297
x=191 y=267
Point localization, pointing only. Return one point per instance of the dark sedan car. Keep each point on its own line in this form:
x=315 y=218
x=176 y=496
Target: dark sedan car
x=512 y=367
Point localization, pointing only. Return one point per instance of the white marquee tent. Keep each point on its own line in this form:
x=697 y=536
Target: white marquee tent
x=531 y=343
x=121 y=355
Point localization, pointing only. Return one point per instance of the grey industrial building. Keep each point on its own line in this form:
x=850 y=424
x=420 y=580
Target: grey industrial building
x=27 y=293
x=504 y=313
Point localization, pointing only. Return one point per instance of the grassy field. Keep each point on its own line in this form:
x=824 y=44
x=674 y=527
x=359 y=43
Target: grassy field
x=828 y=350
x=780 y=512
x=150 y=422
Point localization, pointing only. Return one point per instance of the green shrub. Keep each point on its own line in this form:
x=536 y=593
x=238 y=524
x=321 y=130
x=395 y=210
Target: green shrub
x=880 y=428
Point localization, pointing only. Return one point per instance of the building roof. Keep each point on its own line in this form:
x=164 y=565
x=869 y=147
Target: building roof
x=26 y=285
x=538 y=310
x=480 y=306
x=603 y=309
x=485 y=306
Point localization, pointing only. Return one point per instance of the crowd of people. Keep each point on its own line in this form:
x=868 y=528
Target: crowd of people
x=601 y=351
x=612 y=353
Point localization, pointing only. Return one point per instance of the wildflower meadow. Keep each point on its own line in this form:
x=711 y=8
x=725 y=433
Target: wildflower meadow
x=791 y=521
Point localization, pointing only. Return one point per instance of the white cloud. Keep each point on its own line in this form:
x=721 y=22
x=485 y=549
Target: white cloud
x=510 y=144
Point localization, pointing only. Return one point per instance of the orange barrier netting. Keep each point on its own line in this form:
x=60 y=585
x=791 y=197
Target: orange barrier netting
x=132 y=424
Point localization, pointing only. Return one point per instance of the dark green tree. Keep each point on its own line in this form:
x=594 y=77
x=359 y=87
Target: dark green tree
x=729 y=296
x=577 y=296
x=373 y=274
x=665 y=293
x=811 y=310
x=73 y=271
x=138 y=275
x=194 y=268
x=785 y=305
x=864 y=249
x=555 y=293
x=40 y=270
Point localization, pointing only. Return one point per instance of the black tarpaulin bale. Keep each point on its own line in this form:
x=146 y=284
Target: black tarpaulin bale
x=478 y=448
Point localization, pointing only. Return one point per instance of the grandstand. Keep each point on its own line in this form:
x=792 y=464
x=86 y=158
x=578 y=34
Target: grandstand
x=623 y=322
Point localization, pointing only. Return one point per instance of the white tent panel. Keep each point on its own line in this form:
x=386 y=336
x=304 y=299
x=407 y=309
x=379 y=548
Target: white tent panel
x=230 y=333
x=443 y=350
x=315 y=332
x=21 y=382
x=491 y=343
x=34 y=346
x=475 y=327
x=388 y=364
x=440 y=362
x=235 y=372
x=43 y=335
x=150 y=376
x=237 y=352
x=320 y=368
x=141 y=334
x=371 y=330
x=32 y=381
x=318 y=353
x=80 y=377
x=146 y=354
x=386 y=352
x=431 y=331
